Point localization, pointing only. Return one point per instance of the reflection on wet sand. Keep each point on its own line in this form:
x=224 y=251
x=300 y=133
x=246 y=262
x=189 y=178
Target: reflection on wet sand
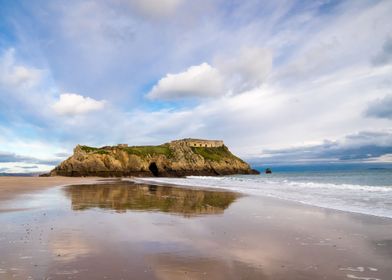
x=253 y=238
x=174 y=267
x=125 y=196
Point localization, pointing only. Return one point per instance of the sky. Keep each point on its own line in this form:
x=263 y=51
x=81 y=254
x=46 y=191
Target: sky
x=278 y=81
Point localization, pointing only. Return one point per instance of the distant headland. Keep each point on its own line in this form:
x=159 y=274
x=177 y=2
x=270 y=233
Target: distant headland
x=177 y=158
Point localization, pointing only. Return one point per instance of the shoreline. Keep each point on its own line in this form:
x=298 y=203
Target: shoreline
x=13 y=186
x=152 y=182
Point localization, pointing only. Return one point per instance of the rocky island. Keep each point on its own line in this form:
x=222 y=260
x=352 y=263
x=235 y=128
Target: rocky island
x=174 y=159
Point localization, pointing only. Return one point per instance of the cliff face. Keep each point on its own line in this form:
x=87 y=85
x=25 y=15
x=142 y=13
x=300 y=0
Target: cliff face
x=174 y=159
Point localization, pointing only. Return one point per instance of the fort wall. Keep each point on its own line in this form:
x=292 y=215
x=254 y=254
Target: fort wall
x=201 y=143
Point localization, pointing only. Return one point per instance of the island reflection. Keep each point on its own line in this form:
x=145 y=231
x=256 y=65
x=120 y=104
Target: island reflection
x=123 y=196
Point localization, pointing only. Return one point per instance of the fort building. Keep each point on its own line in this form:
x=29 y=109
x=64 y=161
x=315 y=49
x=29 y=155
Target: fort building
x=200 y=142
x=122 y=145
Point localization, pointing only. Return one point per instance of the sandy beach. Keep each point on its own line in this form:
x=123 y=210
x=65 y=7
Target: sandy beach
x=12 y=186
x=123 y=230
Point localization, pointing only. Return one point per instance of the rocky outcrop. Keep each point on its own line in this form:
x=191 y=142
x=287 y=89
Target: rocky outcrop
x=174 y=159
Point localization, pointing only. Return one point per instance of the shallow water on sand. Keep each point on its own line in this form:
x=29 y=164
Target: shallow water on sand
x=359 y=191
x=132 y=231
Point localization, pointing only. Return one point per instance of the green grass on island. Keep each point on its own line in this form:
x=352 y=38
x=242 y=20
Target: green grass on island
x=142 y=151
x=89 y=149
x=214 y=153
x=208 y=153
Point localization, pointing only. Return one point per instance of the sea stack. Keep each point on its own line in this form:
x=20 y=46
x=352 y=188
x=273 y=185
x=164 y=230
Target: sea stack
x=174 y=159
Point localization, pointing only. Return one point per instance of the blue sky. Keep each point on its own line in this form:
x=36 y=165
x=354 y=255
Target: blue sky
x=278 y=81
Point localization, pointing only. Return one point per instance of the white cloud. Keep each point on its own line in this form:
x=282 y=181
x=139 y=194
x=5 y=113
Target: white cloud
x=340 y=42
x=197 y=81
x=154 y=8
x=15 y=76
x=244 y=71
x=74 y=104
x=247 y=69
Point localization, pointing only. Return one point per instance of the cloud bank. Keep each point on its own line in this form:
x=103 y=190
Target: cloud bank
x=366 y=146
x=385 y=55
x=380 y=108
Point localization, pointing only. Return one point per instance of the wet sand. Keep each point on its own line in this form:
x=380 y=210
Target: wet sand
x=13 y=186
x=134 y=231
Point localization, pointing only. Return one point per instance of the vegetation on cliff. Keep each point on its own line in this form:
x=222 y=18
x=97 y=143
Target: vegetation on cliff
x=214 y=153
x=145 y=151
x=142 y=151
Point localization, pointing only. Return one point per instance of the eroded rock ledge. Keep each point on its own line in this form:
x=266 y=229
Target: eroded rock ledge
x=175 y=159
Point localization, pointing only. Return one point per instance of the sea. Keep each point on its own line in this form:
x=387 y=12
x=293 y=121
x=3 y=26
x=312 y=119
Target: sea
x=364 y=188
